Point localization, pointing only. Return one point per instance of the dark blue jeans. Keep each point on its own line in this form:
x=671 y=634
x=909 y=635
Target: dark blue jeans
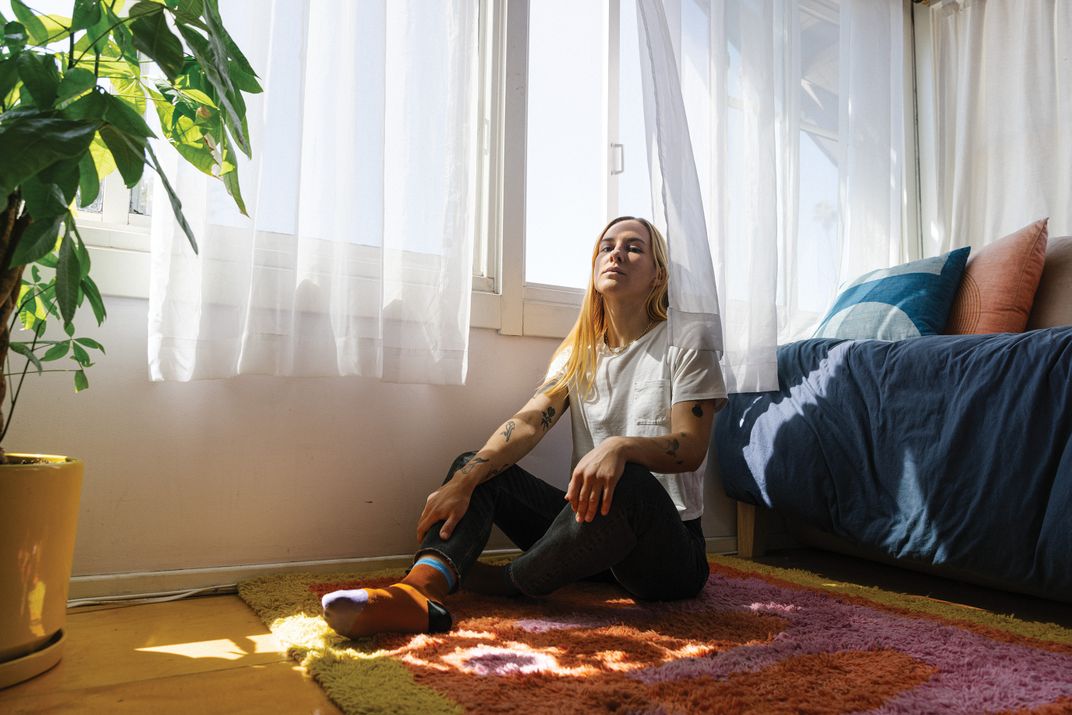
x=642 y=543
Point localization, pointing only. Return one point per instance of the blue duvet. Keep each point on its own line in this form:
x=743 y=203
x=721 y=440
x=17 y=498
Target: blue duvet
x=955 y=450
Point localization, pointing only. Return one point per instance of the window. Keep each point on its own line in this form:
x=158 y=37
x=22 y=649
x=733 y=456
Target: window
x=817 y=206
x=564 y=149
x=581 y=129
x=119 y=217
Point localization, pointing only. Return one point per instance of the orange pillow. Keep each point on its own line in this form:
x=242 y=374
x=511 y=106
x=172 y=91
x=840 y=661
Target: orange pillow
x=999 y=284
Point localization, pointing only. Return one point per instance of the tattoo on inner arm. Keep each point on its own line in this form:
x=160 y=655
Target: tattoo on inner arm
x=546 y=417
x=508 y=430
x=473 y=464
x=697 y=409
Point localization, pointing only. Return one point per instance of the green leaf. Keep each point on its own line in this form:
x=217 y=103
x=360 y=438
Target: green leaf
x=81 y=382
x=230 y=182
x=96 y=37
x=90 y=343
x=191 y=7
x=153 y=37
x=43 y=200
x=200 y=156
x=39 y=75
x=122 y=117
x=215 y=23
x=57 y=28
x=57 y=351
x=15 y=36
x=81 y=251
x=68 y=277
x=9 y=76
x=49 y=260
x=197 y=96
x=88 y=181
x=124 y=39
x=102 y=157
x=88 y=108
x=176 y=205
x=29 y=144
x=80 y=355
x=64 y=174
x=245 y=81
x=215 y=68
x=76 y=81
x=22 y=349
x=128 y=152
x=69 y=329
x=37 y=240
x=29 y=19
x=130 y=91
x=92 y=293
x=86 y=14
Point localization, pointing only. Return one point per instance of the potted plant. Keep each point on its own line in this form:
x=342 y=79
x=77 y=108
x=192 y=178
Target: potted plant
x=73 y=100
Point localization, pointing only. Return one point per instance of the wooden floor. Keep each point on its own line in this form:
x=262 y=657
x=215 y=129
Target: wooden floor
x=212 y=655
x=200 y=656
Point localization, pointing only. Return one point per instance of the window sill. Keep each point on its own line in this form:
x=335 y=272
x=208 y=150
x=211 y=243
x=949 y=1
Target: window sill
x=121 y=270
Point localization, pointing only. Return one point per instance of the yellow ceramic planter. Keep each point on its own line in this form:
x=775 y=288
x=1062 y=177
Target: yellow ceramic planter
x=38 y=518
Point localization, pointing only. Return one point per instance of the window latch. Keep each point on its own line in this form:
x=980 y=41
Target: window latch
x=619 y=156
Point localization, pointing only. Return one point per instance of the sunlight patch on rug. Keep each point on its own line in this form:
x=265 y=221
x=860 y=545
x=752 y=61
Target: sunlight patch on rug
x=757 y=639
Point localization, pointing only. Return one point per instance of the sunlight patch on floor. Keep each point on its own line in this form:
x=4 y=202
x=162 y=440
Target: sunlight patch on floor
x=224 y=648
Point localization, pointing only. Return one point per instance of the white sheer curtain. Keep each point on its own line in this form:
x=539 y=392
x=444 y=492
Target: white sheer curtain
x=356 y=258
x=754 y=109
x=996 y=113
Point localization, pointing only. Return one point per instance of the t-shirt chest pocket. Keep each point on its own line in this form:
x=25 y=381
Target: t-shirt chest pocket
x=651 y=402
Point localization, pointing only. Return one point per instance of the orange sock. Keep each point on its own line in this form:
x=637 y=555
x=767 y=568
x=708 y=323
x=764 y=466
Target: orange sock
x=399 y=608
x=428 y=579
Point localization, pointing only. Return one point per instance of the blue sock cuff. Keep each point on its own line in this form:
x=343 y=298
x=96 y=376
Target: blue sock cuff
x=441 y=568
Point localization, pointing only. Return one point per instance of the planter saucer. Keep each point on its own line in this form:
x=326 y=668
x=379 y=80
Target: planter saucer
x=26 y=667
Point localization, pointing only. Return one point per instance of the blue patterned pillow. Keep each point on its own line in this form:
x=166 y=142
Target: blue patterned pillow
x=905 y=301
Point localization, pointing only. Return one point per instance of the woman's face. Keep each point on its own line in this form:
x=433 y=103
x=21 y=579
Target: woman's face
x=625 y=263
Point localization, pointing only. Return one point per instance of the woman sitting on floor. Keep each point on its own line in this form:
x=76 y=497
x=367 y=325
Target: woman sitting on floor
x=641 y=412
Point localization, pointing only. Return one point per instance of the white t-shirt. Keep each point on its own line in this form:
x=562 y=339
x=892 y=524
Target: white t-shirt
x=632 y=395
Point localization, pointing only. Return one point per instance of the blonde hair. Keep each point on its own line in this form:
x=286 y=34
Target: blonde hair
x=590 y=330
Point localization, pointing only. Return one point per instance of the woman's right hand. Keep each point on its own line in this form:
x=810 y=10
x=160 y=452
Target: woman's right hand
x=448 y=503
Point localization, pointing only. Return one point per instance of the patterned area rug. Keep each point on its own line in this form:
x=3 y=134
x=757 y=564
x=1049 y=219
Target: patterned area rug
x=759 y=639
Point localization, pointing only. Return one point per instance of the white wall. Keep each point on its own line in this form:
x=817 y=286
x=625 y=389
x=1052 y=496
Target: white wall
x=257 y=470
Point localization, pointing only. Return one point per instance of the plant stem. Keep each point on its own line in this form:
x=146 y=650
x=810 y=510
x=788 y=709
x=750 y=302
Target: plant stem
x=15 y=397
x=9 y=374
x=12 y=227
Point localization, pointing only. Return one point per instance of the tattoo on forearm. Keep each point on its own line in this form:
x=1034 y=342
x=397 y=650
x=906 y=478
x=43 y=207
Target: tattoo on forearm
x=697 y=409
x=546 y=417
x=473 y=464
x=672 y=445
x=508 y=430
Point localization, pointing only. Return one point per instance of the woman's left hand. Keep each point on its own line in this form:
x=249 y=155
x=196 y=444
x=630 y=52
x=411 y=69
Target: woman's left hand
x=592 y=484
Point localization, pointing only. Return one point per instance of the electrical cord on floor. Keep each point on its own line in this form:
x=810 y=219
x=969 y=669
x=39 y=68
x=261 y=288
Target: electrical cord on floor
x=138 y=599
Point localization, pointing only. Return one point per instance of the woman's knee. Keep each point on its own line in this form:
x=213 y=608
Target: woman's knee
x=653 y=588
x=637 y=482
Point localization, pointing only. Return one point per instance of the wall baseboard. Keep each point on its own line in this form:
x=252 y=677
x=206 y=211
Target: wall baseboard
x=222 y=579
